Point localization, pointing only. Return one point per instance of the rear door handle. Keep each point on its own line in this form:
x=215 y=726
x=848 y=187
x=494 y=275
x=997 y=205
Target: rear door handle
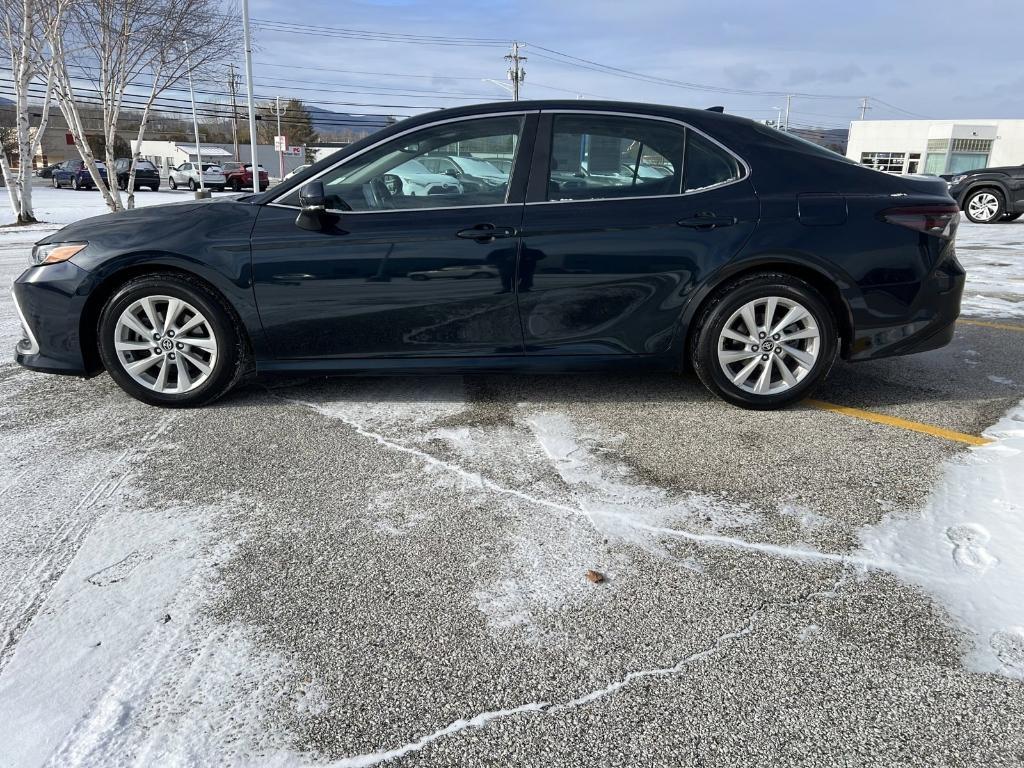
x=707 y=221
x=485 y=233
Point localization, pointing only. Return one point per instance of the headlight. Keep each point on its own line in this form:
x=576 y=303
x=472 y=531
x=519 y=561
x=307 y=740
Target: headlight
x=52 y=253
x=956 y=180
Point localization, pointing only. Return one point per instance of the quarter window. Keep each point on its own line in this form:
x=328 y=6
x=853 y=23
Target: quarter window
x=600 y=157
x=707 y=164
x=422 y=169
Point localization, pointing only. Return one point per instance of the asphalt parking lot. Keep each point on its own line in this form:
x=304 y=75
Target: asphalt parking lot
x=358 y=570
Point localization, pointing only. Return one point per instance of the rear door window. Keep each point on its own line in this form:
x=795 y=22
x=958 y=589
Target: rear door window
x=597 y=157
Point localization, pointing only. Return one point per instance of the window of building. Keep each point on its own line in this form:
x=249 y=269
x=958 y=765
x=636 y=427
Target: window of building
x=913 y=162
x=889 y=162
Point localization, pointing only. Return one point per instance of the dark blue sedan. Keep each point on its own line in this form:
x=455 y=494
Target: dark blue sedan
x=75 y=174
x=751 y=257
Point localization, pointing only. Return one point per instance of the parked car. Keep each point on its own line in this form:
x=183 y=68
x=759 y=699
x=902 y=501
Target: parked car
x=146 y=174
x=292 y=172
x=187 y=175
x=756 y=262
x=990 y=195
x=473 y=174
x=239 y=176
x=412 y=178
x=75 y=174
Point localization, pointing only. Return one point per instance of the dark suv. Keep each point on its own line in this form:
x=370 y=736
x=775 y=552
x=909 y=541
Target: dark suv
x=146 y=174
x=989 y=195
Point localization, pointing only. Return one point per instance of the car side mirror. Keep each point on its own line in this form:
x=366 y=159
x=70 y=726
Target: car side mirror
x=451 y=172
x=313 y=201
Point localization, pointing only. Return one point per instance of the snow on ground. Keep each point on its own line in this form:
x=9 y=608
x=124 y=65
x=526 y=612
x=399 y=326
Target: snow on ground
x=993 y=255
x=57 y=207
x=966 y=547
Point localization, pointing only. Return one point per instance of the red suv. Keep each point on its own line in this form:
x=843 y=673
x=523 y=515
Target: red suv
x=239 y=175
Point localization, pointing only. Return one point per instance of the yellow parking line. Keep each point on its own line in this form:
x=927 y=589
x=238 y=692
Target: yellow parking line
x=892 y=421
x=987 y=324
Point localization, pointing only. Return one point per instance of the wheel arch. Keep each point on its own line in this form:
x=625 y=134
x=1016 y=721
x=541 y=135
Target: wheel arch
x=111 y=282
x=817 y=278
x=974 y=186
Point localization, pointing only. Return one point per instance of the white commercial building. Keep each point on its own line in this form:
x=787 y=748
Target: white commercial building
x=936 y=146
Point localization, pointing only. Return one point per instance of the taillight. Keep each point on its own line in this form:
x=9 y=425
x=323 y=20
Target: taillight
x=938 y=220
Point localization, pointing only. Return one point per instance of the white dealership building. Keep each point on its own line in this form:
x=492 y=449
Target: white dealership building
x=936 y=146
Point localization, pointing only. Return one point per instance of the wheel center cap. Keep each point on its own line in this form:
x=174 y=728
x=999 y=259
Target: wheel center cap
x=167 y=344
x=767 y=345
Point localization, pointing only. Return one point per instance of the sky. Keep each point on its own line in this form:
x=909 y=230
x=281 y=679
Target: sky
x=938 y=59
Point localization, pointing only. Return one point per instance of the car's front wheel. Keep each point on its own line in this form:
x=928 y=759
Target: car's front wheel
x=985 y=206
x=56 y=183
x=168 y=340
x=764 y=341
x=171 y=182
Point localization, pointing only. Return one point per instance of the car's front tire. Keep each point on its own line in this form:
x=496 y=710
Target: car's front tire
x=171 y=182
x=984 y=206
x=764 y=341
x=169 y=340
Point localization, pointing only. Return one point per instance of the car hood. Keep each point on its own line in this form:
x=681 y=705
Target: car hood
x=123 y=223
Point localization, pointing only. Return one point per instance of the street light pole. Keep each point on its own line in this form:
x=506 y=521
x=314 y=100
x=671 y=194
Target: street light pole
x=195 y=120
x=789 y=103
x=280 y=149
x=252 y=106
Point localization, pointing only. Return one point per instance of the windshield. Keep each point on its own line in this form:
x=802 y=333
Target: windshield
x=412 y=166
x=145 y=165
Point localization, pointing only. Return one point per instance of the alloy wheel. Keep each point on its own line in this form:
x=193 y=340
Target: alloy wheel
x=769 y=345
x=983 y=206
x=165 y=344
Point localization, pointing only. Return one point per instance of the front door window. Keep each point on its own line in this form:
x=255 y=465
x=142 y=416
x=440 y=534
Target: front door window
x=421 y=170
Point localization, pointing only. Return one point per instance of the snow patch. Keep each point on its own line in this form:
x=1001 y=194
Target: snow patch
x=965 y=548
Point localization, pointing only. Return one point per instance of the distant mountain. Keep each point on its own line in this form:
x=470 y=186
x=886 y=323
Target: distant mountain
x=327 y=122
x=4 y=101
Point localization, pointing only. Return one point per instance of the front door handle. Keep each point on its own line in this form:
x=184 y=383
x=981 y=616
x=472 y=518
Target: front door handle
x=705 y=220
x=485 y=233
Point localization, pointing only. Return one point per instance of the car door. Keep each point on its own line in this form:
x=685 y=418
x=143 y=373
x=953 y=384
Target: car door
x=610 y=253
x=393 y=273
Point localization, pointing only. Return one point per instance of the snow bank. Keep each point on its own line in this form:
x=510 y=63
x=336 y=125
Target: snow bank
x=967 y=548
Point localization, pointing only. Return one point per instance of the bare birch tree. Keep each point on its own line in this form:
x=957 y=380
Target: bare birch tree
x=104 y=48
x=22 y=44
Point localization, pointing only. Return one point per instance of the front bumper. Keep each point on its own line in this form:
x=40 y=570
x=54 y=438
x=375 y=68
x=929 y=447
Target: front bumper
x=50 y=300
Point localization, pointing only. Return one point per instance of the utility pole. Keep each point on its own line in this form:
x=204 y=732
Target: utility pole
x=789 y=103
x=516 y=73
x=864 y=107
x=248 y=87
x=195 y=121
x=277 y=112
x=232 y=83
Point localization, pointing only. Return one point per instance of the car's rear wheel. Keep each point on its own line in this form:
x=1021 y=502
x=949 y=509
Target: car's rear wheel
x=236 y=185
x=764 y=341
x=192 y=185
x=76 y=184
x=168 y=340
x=985 y=206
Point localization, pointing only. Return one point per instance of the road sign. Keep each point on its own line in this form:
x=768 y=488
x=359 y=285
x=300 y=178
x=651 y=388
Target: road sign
x=293 y=151
x=280 y=144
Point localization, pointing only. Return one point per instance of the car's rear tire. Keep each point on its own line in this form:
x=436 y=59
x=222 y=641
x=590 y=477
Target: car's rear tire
x=1008 y=217
x=779 y=307
x=195 y=350
x=192 y=185
x=985 y=205
x=236 y=185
